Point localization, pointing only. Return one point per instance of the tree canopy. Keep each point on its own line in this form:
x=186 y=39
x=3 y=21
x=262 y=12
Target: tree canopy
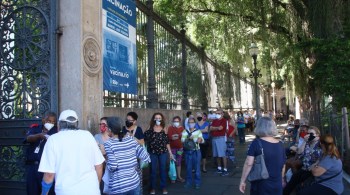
x=303 y=43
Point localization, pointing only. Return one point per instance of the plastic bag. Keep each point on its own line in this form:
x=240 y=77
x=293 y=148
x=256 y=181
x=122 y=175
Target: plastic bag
x=143 y=164
x=172 y=171
x=105 y=179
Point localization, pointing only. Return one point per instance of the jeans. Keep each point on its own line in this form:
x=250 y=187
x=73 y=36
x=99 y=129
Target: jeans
x=193 y=158
x=241 y=135
x=155 y=158
x=135 y=191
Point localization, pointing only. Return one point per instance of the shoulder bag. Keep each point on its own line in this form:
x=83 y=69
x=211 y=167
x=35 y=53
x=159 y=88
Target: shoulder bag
x=259 y=170
x=189 y=144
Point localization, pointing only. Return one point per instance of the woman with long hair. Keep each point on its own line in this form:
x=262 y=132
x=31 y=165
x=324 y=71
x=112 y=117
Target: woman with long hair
x=158 y=147
x=327 y=171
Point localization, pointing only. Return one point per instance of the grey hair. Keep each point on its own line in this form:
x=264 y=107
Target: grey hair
x=66 y=125
x=265 y=127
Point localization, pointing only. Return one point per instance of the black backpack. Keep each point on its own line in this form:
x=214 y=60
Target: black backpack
x=189 y=144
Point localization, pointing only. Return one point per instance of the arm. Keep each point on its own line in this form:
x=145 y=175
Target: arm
x=317 y=170
x=36 y=137
x=246 y=169
x=169 y=151
x=99 y=170
x=47 y=182
x=142 y=154
x=300 y=150
x=112 y=163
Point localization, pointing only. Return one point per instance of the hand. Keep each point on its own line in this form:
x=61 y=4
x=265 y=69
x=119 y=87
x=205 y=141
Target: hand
x=42 y=135
x=191 y=137
x=175 y=137
x=242 y=186
x=172 y=157
x=306 y=137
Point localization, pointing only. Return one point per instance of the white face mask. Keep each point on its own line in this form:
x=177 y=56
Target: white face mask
x=157 y=122
x=192 y=125
x=176 y=124
x=218 y=116
x=48 y=126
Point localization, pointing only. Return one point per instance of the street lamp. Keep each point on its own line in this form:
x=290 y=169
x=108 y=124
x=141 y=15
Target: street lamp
x=255 y=73
x=273 y=98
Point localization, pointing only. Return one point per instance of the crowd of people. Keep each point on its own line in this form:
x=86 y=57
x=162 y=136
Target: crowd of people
x=73 y=161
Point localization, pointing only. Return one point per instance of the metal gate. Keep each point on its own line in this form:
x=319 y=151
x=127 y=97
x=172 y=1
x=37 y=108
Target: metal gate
x=28 y=80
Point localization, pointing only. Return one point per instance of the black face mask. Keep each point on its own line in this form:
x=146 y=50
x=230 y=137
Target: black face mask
x=128 y=123
x=199 y=118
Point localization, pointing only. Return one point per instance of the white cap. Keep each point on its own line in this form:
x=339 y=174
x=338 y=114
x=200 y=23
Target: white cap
x=66 y=114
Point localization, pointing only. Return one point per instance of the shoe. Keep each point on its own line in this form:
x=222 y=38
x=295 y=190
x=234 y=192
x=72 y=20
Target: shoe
x=180 y=180
x=165 y=191
x=204 y=171
x=193 y=170
x=172 y=181
x=187 y=186
x=152 y=192
x=197 y=187
x=224 y=173
x=219 y=171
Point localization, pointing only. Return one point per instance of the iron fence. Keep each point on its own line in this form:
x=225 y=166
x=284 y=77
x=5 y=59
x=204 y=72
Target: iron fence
x=183 y=72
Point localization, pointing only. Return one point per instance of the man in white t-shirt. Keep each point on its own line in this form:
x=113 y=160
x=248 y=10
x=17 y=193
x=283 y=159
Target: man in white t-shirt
x=72 y=158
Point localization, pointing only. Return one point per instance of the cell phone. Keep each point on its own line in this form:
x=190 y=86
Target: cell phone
x=312 y=137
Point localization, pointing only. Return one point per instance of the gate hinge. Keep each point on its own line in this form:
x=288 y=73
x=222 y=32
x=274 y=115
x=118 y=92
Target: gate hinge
x=59 y=31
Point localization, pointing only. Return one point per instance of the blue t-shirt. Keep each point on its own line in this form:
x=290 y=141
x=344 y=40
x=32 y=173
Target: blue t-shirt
x=275 y=157
x=332 y=166
x=138 y=134
x=202 y=127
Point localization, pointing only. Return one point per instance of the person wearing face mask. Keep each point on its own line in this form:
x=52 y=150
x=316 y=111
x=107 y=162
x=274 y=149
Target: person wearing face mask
x=174 y=136
x=132 y=129
x=36 y=137
x=218 y=134
x=101 y=138
x=192 y=155
x=158 y=147
x=310 y=152
x=203 y=126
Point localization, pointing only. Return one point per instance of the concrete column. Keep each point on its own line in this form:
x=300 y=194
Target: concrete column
x=80 y=61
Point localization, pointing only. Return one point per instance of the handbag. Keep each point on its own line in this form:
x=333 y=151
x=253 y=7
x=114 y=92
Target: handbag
x=189 y=144
x=259 y=170
x=172 y=171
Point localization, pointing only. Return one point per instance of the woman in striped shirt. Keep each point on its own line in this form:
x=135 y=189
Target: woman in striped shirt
x=122 y=153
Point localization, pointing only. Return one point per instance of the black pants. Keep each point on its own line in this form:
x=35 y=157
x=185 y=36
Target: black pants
x=317 y=189
x=296 y=179
x=34 y=179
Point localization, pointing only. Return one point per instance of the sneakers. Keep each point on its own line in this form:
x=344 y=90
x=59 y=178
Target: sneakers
x=224 y=173
x=219 y=171
x=152 y=192
x=197 y=187
x=165 y=191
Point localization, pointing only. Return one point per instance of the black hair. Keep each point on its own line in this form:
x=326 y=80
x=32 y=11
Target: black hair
x=188 y=113
x=103 y=118
x=205 y=114
x=133 y=115
x=116 y=126
x=50 y=114
x=69 y=125
x=176 y=117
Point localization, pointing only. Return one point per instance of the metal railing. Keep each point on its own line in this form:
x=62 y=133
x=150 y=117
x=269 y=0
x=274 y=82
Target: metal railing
x=184 y=74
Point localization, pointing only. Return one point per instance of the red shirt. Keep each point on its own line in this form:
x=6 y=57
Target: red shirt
x=217 y=123
x=172 y=131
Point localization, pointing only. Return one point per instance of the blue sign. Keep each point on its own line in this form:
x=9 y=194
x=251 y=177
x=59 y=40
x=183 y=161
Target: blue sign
x=119 y=46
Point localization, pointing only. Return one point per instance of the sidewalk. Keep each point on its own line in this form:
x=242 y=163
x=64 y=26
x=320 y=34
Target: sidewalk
x=213 y=183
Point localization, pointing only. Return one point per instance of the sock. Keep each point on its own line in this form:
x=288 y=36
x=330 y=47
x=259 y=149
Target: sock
x=219 y=168
x=225 y=169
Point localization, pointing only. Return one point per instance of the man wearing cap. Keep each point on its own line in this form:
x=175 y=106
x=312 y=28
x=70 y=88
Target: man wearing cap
x=72 y=158
x=36 y=137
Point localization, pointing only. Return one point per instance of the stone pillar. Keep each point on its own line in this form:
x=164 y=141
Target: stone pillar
x=80 y=61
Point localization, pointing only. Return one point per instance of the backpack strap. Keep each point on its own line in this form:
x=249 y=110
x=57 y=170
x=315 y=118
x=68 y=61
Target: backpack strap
x=326 y=179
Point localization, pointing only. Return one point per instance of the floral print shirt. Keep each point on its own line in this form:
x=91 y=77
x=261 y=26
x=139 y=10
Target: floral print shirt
x=311 y=155
x=156 y=141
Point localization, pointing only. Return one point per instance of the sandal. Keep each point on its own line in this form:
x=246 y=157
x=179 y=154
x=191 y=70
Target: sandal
x=180 y=180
